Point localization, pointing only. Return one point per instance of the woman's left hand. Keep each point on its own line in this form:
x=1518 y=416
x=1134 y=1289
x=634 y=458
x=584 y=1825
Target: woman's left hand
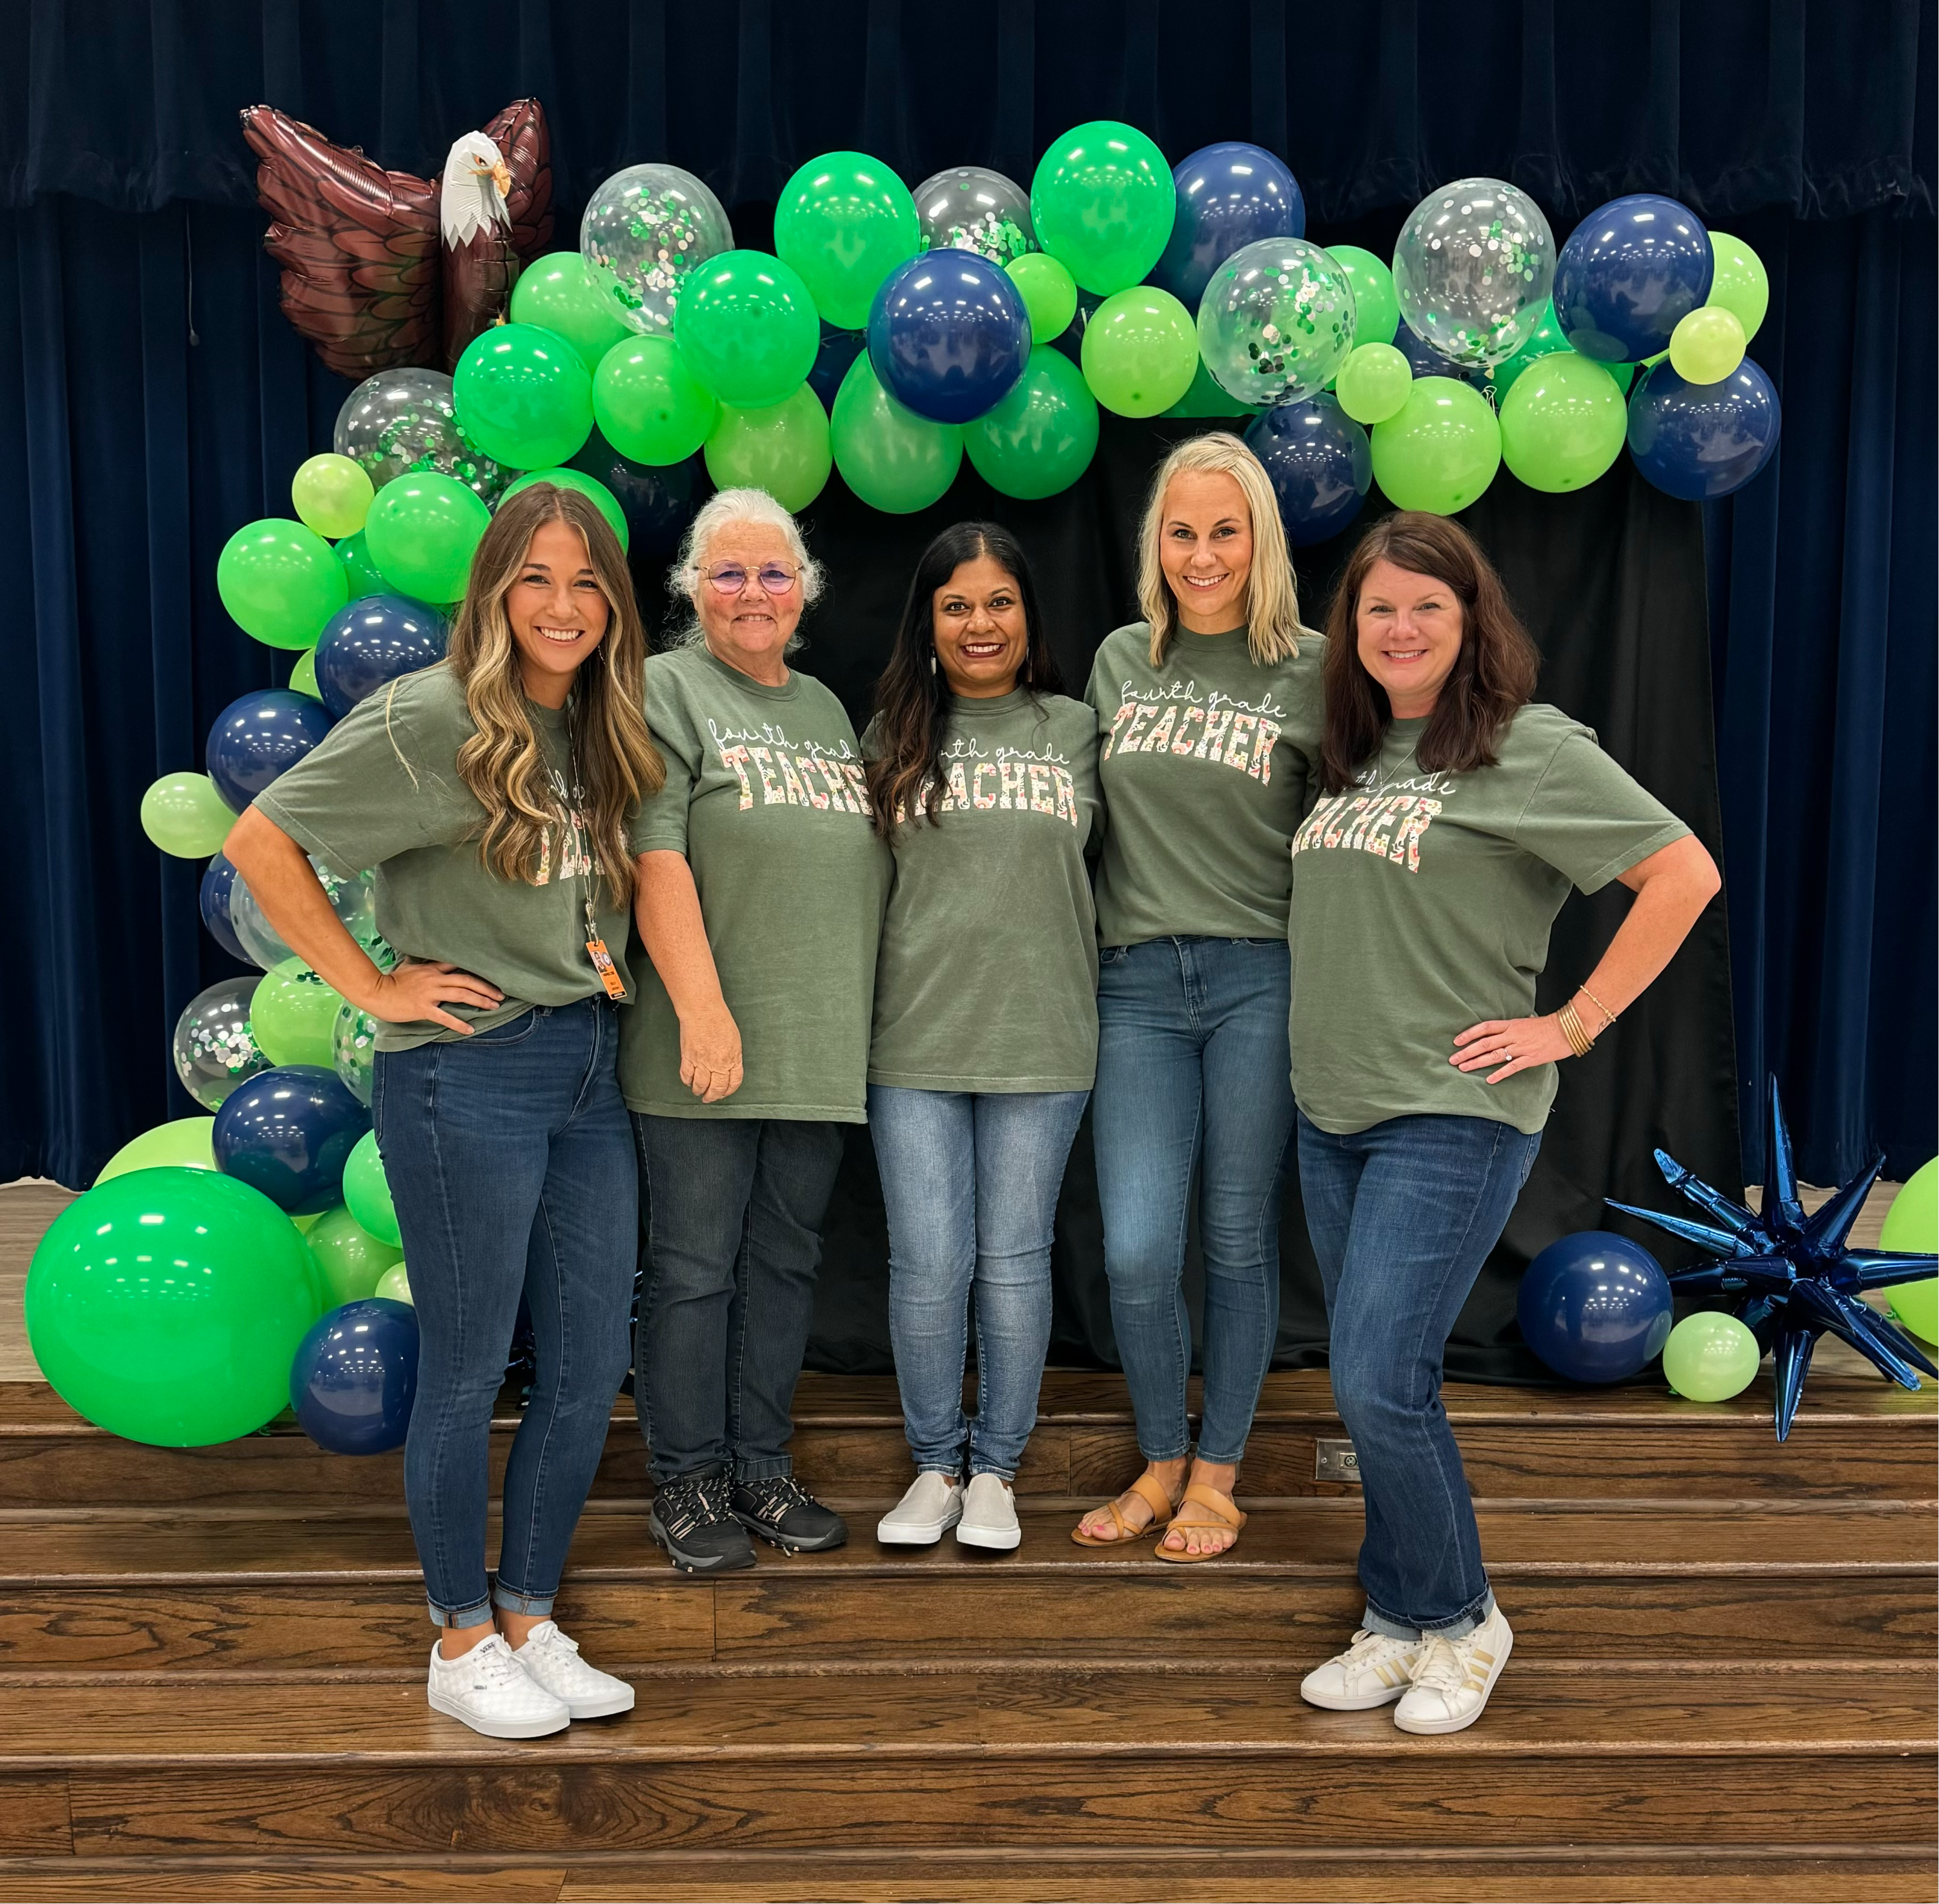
x=1516 y=1044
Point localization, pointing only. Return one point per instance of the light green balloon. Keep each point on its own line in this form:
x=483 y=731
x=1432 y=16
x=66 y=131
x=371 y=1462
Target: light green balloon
x=1710 y=1357
x=184 y=814
x=1102 y=203
x=556 y=293
x=1740 y=283
x=422 y=532
x=845 y=221
x=1376 y=304
x=367 y=1191
x=587 y=485
x=748 y=329
x=1049 y=293
x=181 y=1144
x=1564 y=424
x=331 y=494
x=523 y=396
x=362 y=574
x=649 y=405
x=1707 y=345
x=1208 y=397
x=302 y=675
x=1440 y=450
x=1040 y=439
x=1911 y=1223
x=394 y=1285
x=1140 y=350
x=1374 y=382
x=783 y=449
x=280 y=581
x=348 y=1259
x=893 y=460
x=293 y=1015
x=1547 y=338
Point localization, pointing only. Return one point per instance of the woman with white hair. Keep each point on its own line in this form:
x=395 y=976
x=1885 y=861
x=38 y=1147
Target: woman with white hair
x=1209 y=722
x=760 y=890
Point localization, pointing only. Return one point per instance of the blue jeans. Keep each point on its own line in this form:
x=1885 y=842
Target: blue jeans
x=970 y=1184
x=1192 y=1072
x=1402 y=1216
x=734 y=1211
x=511 y=1169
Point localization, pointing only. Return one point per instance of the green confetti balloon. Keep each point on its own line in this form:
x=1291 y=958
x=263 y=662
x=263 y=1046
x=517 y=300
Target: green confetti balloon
x=185 y=815
x=349 y=1260
x=893 y=459
x=422 y=532
x=1709 y=1357
x=1049 y=293
x=1376 y=304
x=281 y=582
x=1140 y=351
x=1563 y=423
x=649 y=405
x=524 y=396
x=845 y=221
x=1102 y=202
x=1440 y=450
x=367 y=1191
x=586 y=485
x=1276 y=321
x=556 y=293
x=783 y=449
x=1040 y=439
x=748 y=329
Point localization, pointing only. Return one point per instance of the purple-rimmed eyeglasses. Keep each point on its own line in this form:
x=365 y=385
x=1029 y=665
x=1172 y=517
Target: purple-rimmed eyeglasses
x=730 y=577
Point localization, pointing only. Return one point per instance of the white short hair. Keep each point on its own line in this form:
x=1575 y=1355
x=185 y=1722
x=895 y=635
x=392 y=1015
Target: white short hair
x=732 y=506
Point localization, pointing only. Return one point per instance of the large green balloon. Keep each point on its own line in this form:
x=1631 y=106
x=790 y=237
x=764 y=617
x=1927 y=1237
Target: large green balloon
x=524 y=396
x=649 y=405
x=349 y=1260
x=1140 y=350
x=1376 y=303
x=747 y=328
x=783 y=448
x=281 y=582
x=555 y=293
x=362 y=574
x=1209 y=397
x=1102 y=203
x=423 y=532
x=1040 y=439
x=586 y=485
x=293 y=1014
x=1374 y=381
x=1563 y=423
x=1913 y=1224
x=1440 y=450
x=894 y=460
x=166 y=1306
x=367 y=1191
x=1049 y=293
x=1709 y=1357
x=184 y=814
x=845 y=221
x=1739 y=283
x=181 y=1144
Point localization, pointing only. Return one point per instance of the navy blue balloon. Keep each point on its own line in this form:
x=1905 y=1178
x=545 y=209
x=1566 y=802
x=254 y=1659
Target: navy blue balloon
x=839 y=348
x=1595 y=1306
x=288 y=1132
x=1628 y=272
x=373 y=641
x=355 y=1376
x=218 y=881
x=658 y=504
x=1229 y=195
x=259 y=736
x=1703 y=440
x=948 y=335
x=1428 y=362
x=1318 y=461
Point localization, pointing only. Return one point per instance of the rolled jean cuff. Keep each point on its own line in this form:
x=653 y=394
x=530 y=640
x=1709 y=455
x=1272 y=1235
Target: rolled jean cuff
x=460 y=1617
x=773 y=1468
x=949 y=1470
x=1202 y=1453
x=977 y=1465
x=1177 y=1454
x=512 y=1601
x=1458 y=1627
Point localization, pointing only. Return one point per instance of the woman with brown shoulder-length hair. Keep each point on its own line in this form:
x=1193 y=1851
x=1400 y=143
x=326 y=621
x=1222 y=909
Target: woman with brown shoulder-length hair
x=1455 y=815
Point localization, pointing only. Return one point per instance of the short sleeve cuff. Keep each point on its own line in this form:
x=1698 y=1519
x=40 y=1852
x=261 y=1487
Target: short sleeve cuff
x=332 y=854
x=1654 y=842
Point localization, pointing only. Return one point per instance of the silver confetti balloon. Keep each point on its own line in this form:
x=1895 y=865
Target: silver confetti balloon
x=972 y=208
x=353 y=1045
x=645 y=229
x=1275 y=322
x=215 y=1050
x=351 y=899
x=1472 y=270
x=402 y=420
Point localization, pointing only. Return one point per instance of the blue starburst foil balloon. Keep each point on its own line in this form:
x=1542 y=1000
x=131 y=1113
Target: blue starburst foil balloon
x=1794 y=1274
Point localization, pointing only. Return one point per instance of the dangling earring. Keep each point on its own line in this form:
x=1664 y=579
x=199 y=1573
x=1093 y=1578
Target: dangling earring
x=932 y=661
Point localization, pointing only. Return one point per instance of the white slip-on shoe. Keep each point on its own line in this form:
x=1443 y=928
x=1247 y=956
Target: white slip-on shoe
x=1374 y=1671
x=553 y=1660
x=931 y=1507
x=989 y=1515
x=487 y=1689
x=1453 y=1678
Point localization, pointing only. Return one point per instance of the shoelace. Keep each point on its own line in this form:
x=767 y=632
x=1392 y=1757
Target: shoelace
x=553 y=1641
x=494 y=1664
x=775 y=1496
x=1441 y=1668
x=693 y=1501
x=1369 y=1646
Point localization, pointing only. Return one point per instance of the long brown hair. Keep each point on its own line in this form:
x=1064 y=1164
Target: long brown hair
x=1494 y=674
x=503 y=764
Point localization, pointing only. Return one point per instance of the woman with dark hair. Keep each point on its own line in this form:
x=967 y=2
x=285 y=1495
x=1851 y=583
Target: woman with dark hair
x=1455 y=815
x=983 y=779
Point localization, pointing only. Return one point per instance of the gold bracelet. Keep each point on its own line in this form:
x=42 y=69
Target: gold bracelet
x=1571 y=1022
x=1608 y=1016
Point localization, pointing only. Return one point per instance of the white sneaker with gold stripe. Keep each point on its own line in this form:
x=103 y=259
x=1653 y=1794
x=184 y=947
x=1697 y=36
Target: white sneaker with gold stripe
x=1453 y=1678
x=1374 y=1671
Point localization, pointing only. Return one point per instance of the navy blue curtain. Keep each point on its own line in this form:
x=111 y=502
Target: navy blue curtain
x=156 y=400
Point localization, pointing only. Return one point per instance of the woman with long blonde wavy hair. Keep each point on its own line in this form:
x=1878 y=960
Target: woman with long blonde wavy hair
x=495 y=796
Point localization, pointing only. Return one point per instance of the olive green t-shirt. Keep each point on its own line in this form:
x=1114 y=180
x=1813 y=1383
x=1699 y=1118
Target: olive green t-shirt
x=382 y=791
x=764 y=795
x=1422 y=904
x=987 y=979
x=1204 y=764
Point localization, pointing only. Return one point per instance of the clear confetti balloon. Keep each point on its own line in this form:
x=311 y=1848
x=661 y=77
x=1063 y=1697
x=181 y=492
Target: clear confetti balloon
x=351 y=899
x=645 y=229
x=972 y=208
x=1472 y=270
x=353 y=1043
x=401 y=420
x=1275 y=322
x=215 y=1049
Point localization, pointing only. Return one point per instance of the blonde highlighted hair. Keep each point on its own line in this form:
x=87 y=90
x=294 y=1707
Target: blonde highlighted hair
x=1273 y=627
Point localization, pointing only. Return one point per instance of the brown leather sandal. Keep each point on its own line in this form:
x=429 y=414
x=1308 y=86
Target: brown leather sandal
x=1161 y=1504
x=1221 y=1511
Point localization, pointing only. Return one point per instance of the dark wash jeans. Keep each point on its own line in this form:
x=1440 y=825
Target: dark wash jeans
x=734 y=1211
x=1402 y=1216
x=511 y=1166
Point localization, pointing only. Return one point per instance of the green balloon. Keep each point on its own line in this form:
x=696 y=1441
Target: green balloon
x=1049 y=293
x=1739 y=283
x=1707 y=345
x=1545 y=340
x=557 y=294
x=845 y=221
x=783 y=448
x=1374 y=382
x=423 y=531
x=748 y=329
x=1913 y=1224
x=331 y=494
x=364 y=574
x=1040 y=439
x=1376 y=303
x=1440 y=450
x=1208 y=397
x=1710 y=1357
x=1140 y=351
x=367 y=1191
x=1564 y=424
x=586 y=485
x=649 y=405
x=1102 y=203
x=893 y=459
x=394 y=1285
x=166 y=1306
x=524 y=396
x=349 y=1260
x=184 y=814
x=293 y=1014
x=280 y=581
x=302 y=675
x=181 y=1144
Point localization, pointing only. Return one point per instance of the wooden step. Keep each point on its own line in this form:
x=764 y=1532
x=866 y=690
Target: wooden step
x=113 y=1591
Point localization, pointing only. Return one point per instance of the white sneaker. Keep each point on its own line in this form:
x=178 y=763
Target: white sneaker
x=931 y=1507
x=989 y=1515
x=553 y=1660
x=1374 y=1671
x=1453 y=1678
x=487 y=1689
